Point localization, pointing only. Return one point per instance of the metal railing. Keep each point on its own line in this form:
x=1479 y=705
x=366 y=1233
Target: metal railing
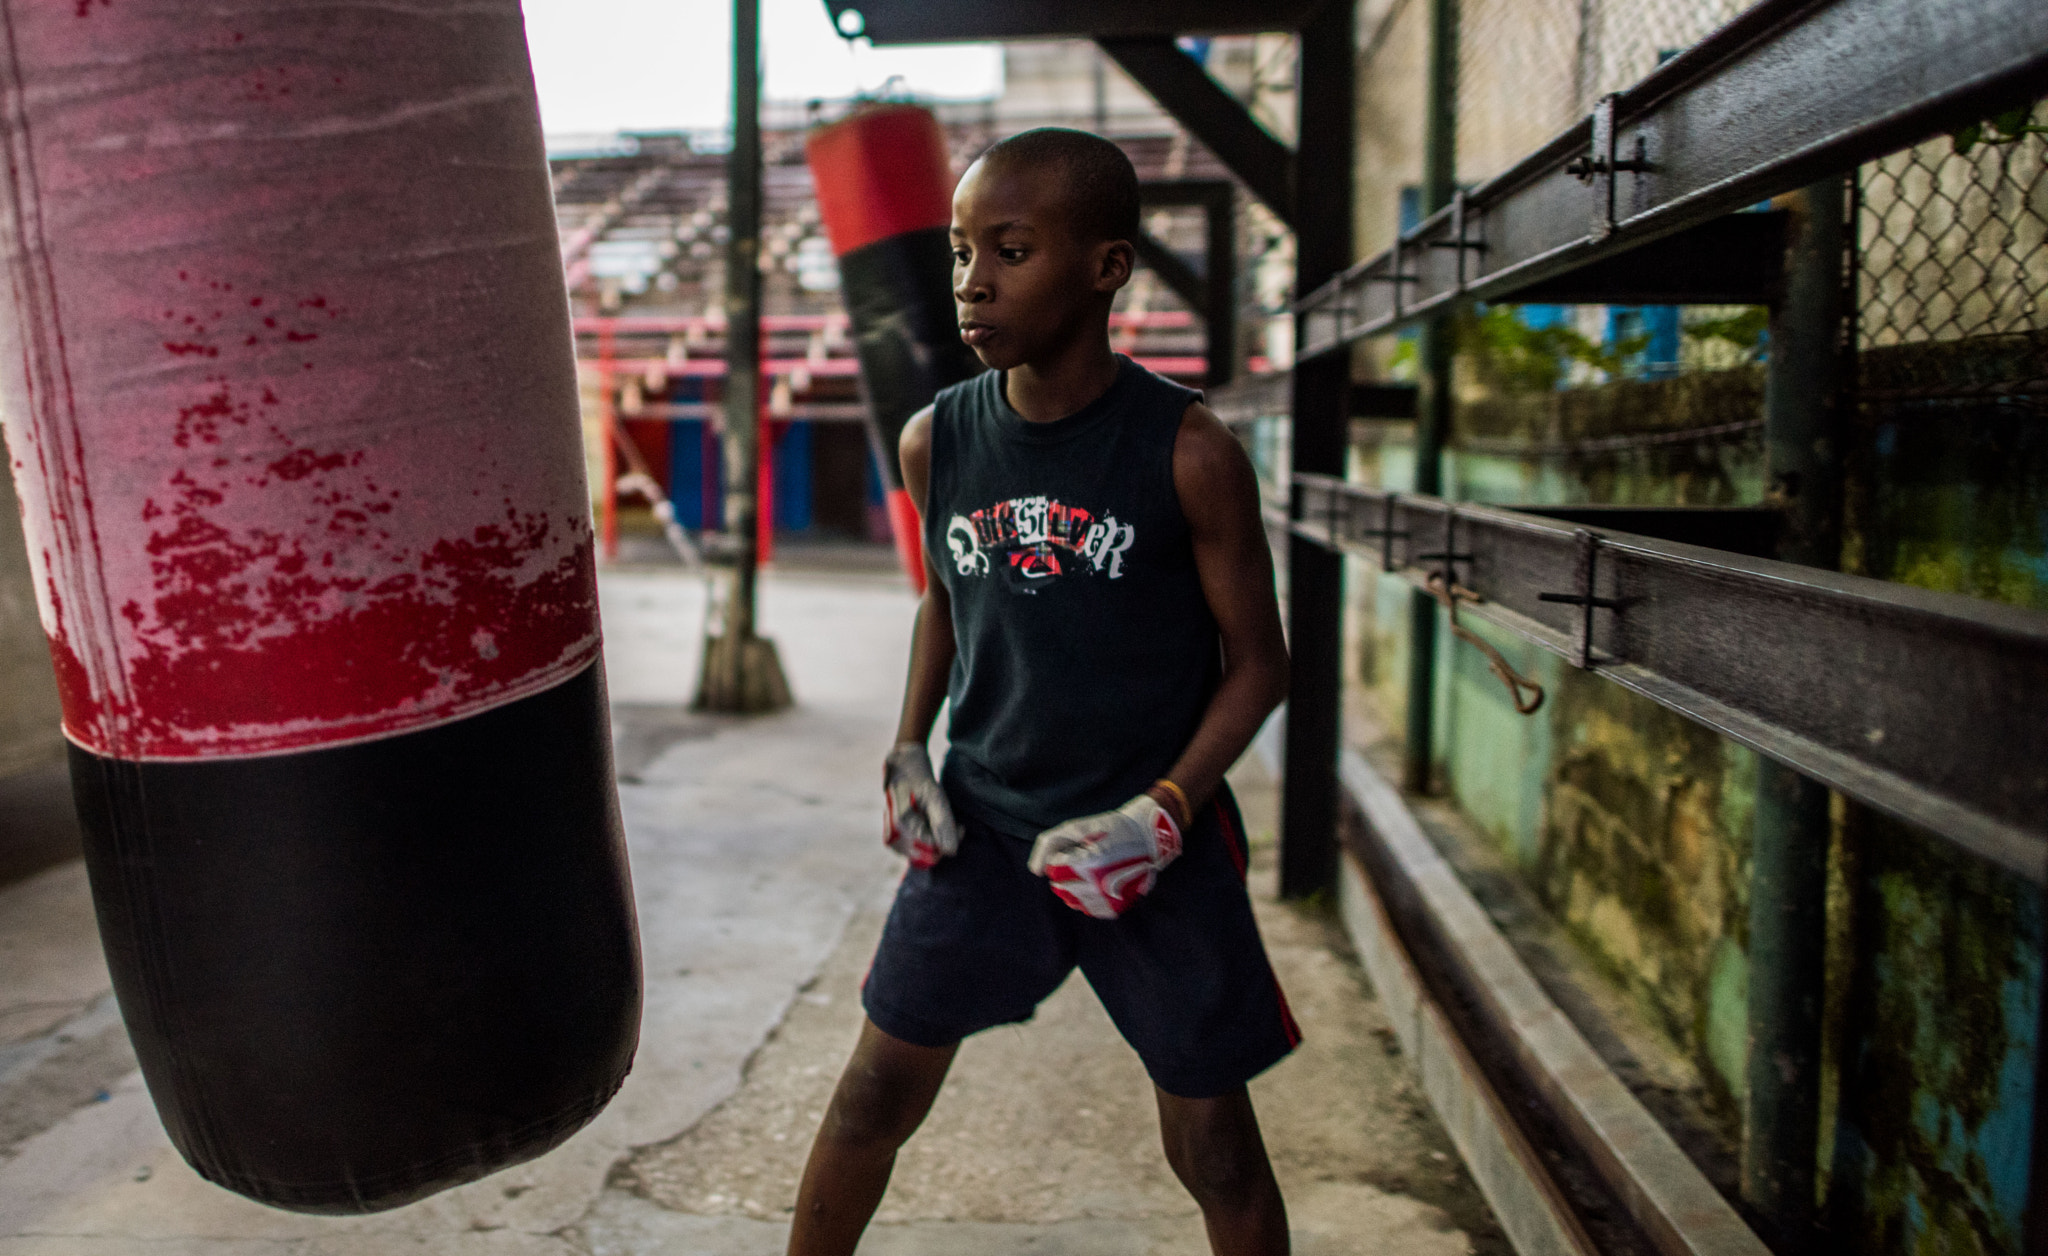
x=1727 y=122
x=1911 y=701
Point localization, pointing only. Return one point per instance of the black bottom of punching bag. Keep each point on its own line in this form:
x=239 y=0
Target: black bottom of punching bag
x=357 y=976
x=899 y=295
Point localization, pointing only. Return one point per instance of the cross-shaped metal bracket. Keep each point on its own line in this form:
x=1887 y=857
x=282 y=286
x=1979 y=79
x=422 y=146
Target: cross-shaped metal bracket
x=1466 y=246
x=1587 y=546
x=1335 y=504
x=1384 y=535
x=1449 y=556
x=1599 y=166
x=1396 y=275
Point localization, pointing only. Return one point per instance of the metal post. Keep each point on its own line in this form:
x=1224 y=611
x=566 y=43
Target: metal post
x=743 y=317
x=2034 y=1224
x=1435 y=346
x=608 y=417
x=1219 y=311
x=741 y=671
x=1803 y=378
x=1315 y=575
x=1788 y=879
x=1787 y=970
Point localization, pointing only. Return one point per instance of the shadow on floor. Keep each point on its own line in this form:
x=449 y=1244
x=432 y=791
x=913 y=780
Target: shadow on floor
x=38 y=827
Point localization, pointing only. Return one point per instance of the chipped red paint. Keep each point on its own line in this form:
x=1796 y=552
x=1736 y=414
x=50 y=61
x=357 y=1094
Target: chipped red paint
x=420 y=639
x=74 y=687
x=297 y=450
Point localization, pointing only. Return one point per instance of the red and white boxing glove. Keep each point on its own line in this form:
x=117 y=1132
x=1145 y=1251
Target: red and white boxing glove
x=1101 y=864
x=920 y=819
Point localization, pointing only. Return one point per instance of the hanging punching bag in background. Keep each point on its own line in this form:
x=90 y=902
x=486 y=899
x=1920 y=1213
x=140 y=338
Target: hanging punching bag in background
x=885 y=191
x=291 y=404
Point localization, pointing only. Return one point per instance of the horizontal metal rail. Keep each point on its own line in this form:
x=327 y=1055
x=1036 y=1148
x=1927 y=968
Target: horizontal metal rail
x=1790 y=92
x=1923 y=705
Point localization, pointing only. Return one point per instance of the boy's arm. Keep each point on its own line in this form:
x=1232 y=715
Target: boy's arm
x=931 y=646
x=1219 y=495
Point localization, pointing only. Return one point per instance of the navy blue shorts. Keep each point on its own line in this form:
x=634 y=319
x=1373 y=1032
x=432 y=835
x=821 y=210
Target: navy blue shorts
x=978 y=941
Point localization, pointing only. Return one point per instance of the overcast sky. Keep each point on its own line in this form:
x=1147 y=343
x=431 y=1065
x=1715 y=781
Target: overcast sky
x=609 y=65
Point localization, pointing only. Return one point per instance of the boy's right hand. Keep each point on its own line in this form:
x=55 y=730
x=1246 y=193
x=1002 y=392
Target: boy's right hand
x=920 y=819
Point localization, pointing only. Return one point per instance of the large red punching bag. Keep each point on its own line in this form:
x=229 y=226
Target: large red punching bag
x=885 y=192
x=290 y=398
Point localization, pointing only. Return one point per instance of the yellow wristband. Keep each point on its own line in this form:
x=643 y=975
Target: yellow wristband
x=1187 y=813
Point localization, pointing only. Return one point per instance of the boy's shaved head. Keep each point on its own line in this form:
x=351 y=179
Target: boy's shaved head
x=1101 y=185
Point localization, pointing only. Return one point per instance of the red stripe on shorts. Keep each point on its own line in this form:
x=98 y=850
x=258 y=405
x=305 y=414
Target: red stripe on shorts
x=1235 y=845
x=1230 y=839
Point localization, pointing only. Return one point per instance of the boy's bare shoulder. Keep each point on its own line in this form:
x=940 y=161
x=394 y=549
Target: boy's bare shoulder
x=1207 y=458
x=914 y=452
x=916 y=440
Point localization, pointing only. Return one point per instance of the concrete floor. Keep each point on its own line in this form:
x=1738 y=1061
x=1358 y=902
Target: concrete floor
x=761 y=883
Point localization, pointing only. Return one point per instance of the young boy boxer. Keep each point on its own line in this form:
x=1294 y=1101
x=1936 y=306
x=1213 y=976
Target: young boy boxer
x=1101 y=614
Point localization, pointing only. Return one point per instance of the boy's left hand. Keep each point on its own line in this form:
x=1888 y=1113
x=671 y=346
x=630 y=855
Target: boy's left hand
x=1101 y=864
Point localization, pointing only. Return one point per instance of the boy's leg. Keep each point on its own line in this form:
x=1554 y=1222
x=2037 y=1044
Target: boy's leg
x=882 y=1098
x=1215 y=1150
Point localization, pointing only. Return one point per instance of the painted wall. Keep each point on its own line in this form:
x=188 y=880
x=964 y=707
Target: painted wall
x=1940 y=1012
x=1632 y=826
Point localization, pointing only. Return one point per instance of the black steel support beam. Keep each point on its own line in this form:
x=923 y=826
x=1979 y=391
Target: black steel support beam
x=1913 y=702
x=1383 y=401
x=1789 y=92
x=1187 y=283
x=940 y=21
x=1736 y=260
x=1753 y=531
x=1212 y=293
x=1215 y=117
x=1321 y=437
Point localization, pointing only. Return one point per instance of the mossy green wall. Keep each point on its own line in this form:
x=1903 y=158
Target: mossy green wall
x=1633 y=826
x=1941 y=1008
x=1630 y=823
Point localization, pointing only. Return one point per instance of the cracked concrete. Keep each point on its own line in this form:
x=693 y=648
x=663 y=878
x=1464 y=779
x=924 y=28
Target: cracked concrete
x=1045 y=1136
x=760 y=879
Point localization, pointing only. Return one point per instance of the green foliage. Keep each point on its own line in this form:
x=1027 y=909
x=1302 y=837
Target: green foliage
x=1746 y=330
x=2009 y=127
x=1405 y=360
x=1521 y=358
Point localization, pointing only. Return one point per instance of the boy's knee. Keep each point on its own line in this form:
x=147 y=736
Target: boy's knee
x=1215 y=1150
x=868 y=1112
x=1221 y=1174
x=884 y=1094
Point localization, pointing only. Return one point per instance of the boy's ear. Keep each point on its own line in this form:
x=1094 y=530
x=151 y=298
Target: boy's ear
x=1114 y=263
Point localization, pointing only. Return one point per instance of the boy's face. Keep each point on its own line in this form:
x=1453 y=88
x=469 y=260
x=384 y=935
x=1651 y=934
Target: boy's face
x=1024 y=280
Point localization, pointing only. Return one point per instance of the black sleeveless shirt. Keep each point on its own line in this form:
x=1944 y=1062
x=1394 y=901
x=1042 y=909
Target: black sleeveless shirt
x=1086 y=650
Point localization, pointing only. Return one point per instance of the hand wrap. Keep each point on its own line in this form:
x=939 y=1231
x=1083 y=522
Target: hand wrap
x=920 y=819
x=1101 y=864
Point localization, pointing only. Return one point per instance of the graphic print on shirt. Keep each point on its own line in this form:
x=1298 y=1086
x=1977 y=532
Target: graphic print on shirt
x=1038 y=538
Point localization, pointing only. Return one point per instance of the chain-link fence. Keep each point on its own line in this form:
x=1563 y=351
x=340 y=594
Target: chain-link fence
x=1947 y=454
x=1952 y=290
x=1529 y=68
x=1665 y=403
